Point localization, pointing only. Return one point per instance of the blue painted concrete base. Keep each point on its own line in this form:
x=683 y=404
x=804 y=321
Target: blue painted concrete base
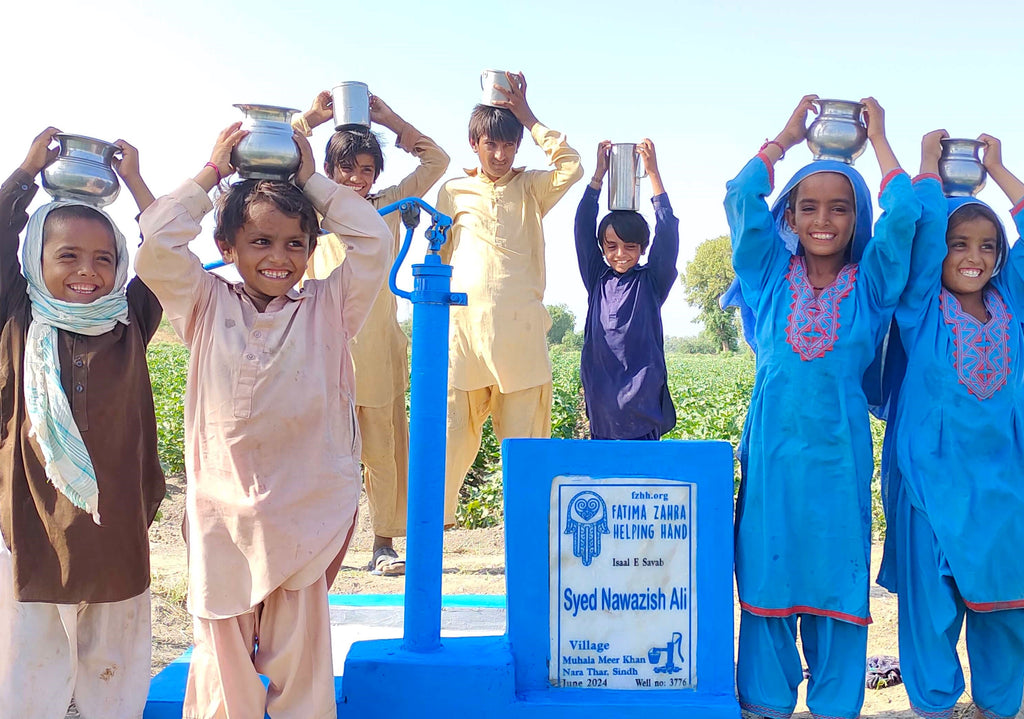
x=474 y=677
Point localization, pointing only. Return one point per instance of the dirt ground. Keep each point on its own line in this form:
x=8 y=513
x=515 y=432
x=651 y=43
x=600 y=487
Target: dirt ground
x=474 y=563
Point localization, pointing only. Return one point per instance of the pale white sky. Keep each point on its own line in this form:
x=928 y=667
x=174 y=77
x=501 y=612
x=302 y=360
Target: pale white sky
x=707 y=81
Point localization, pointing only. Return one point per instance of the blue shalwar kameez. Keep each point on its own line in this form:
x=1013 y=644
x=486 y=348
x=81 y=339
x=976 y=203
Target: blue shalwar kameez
x=803 y=519
x=622 y=365
x=955 y=493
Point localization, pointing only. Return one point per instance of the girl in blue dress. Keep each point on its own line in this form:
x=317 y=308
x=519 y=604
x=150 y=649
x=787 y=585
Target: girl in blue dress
x=822 y=291
x=955 y=454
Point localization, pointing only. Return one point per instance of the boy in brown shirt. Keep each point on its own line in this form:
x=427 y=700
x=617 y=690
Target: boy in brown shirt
x=80 y=480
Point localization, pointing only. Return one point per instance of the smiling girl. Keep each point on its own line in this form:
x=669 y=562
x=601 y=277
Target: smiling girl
x=955 y=497
x=823 y=292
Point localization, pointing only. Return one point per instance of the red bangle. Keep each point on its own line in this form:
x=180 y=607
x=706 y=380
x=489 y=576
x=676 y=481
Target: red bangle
x=773 y=142
x=220 y=179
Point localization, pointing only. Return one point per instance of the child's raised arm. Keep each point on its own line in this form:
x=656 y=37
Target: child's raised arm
x=515 y=100
x=319 y=112
x=793 y=133
x=992 y=159
x=665 y=244
x=15 y=195
x=874 y=115
x=588 y=244
x=646 y=151
x=929 y=248
x=127 y=166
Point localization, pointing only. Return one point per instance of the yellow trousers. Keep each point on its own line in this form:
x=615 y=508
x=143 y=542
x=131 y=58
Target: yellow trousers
x=385 y=458
x=526 y=413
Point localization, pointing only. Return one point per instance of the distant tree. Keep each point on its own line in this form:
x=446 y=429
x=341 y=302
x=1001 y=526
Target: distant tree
x=705 y=279
x=562 y=322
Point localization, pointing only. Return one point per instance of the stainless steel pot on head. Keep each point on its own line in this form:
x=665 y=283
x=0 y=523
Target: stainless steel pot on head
x=268 y=152
x=838 y=132
x=351 y=102
x=960 y=167
x=82 y=171
x=490 y=78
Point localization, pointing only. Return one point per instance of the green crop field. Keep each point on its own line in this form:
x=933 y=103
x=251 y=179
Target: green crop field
x=711 y=395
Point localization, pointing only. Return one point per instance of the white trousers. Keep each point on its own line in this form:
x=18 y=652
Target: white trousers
x=97 y=653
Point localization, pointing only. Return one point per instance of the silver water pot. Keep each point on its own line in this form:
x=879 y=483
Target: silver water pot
x=960 y=167
x=351 y=101
x=82 y=171
x=625 y=171
x=490 y=78
x=268 y=152
x=838 y=132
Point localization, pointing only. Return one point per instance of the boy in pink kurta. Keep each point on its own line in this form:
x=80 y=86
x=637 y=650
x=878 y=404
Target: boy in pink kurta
x=271 y=443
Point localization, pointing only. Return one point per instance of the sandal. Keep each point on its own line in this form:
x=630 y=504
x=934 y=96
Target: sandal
x=385 y=562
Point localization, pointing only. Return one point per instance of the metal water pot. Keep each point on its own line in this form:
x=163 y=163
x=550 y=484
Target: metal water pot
x=838 y=132
x=351 y=102
x=268 y=152
x=82 y=171
x=490 y=78
x=960 y=167
x=625 y=170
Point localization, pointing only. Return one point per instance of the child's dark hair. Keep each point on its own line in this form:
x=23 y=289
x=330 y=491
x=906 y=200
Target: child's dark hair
x=344 y=145
x=628 y=225
x=977 y=211
x=234 y=205
x=74 y=212
x=495 y=122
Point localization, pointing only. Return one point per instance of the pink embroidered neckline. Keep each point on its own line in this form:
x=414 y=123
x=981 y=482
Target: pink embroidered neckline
x=813 y=324
x=981 y=351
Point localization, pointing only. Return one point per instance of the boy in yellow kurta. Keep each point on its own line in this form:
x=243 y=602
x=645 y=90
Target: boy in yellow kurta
x=499 y=362
x=380 y=351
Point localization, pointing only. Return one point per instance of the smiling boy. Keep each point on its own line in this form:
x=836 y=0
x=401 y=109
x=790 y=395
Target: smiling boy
x=380 y=351
x=622 y=366
x=499 y=355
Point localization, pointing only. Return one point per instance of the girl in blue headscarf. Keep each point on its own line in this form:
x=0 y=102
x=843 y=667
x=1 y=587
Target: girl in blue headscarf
x=955 y=449
x=822 y=292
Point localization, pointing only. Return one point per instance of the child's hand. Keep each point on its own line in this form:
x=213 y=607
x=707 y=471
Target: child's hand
x=601 y=168
x=127 y=165
x=796 y=127
x=515 y=99
x=219 y=167
x=321 y=110
x=874 y=117
x=645 y=148
x=380 y=112
x=992 y=156
x=306 y=164
x=931 y=150
x=226 y=141
x=40 y=154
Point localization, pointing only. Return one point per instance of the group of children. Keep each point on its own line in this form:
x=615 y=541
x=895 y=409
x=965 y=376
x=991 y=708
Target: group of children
x=919 y=320
x=304 y=357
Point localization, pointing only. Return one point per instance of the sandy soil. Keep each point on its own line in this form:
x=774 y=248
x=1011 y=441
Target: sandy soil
x=474 y=563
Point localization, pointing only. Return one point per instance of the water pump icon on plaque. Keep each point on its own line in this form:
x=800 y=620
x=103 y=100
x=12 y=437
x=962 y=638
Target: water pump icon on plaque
x=623 y=612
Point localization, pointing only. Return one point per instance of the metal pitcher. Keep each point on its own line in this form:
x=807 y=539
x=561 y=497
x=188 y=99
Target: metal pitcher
x=351 y=105
x=960 y=167
x=490 y=78
x=625 y=171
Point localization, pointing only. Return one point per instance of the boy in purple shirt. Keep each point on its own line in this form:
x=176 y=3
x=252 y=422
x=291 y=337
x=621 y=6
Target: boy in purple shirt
x=622 y=367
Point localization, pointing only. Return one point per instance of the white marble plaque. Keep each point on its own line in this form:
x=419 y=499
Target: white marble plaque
x=622 y=583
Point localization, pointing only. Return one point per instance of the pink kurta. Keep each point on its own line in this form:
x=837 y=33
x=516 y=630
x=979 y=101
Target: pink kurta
x=271 y=444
